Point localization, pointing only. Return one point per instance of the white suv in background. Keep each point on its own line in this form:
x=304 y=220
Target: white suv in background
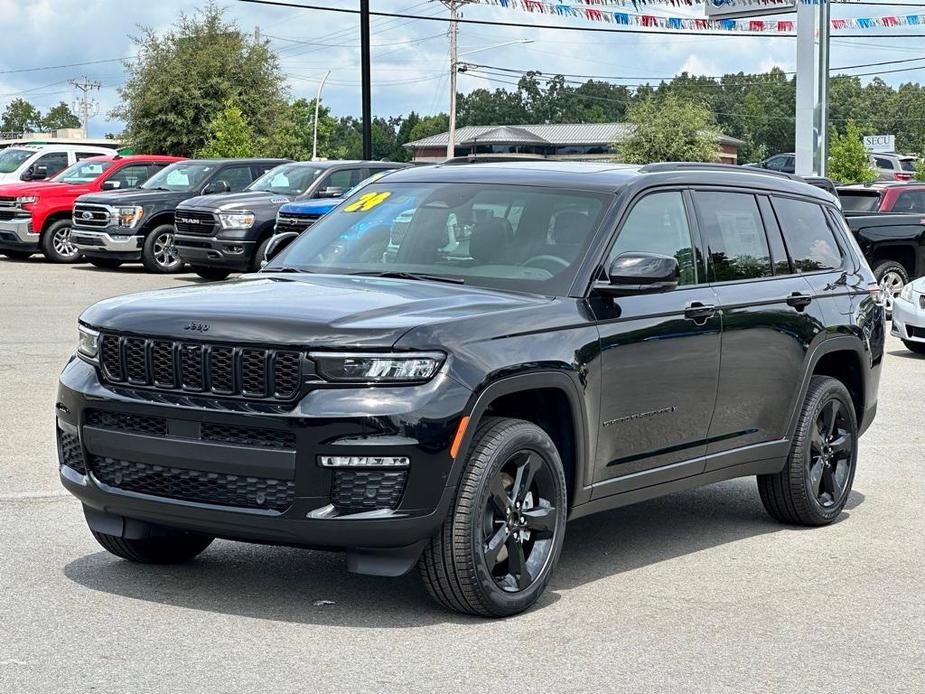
x=30 y=162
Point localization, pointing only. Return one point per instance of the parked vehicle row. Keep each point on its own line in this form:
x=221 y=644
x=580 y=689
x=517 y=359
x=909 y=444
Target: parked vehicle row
x=890 y=166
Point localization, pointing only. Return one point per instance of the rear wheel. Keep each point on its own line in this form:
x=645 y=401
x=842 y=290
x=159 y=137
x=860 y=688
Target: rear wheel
x=17 y=255
x=56 y=243
x=105 y=263
x=159 y=253
x=892 y=277
x=917 y=347
x=213 y=274
x=171 y=549
x=814 y=485
x=502 y=538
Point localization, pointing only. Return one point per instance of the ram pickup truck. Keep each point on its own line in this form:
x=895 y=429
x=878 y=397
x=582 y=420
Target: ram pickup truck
x=118 y=226
x=220 y=235
x=896 y=197
x=37 y=216
x=894 y=245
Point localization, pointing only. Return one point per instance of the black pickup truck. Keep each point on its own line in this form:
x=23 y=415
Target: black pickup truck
x=894 y=245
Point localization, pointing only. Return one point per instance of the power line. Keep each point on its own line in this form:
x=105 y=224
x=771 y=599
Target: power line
x=59 y=67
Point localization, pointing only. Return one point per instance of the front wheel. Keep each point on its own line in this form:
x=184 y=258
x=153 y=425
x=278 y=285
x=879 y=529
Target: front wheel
x=56 y=243
x=502 y=538
x=159 y=253
x=814 y=485
x=917 y=347
x=170 y=549
x=892 y=277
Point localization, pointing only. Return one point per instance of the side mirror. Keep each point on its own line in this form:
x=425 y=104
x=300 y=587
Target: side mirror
x=331 y=192
x=216 y=187
x=277 y=243
x=111 y=185
x=640 y=273
x=40 y=173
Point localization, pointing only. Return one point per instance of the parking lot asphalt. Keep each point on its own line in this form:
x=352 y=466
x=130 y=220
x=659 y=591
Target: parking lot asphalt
x=695 y=592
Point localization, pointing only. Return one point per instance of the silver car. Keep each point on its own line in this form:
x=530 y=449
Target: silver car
x=894 y=167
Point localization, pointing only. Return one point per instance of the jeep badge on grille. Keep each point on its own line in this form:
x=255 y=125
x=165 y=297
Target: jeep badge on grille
x=198 y=327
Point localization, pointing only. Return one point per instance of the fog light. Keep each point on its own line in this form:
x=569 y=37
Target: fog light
x=363 y=461
x=235 y=250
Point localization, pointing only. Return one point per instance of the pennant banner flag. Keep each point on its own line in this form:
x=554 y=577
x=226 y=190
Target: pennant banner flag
x=591 y=10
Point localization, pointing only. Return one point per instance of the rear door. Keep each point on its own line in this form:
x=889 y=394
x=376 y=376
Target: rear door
x=769 y=319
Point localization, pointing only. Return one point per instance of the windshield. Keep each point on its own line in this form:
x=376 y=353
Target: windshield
x=183 y=175
x=508 y=237
x=288 y=179
x=83 y=172
x=907 y=164
x=10 y=159
x=859 y=200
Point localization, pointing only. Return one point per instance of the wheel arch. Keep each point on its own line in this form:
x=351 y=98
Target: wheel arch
x=152 y=223
x=55 y=217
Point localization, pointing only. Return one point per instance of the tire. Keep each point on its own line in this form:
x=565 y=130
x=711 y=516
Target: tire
x=159 y=254
x=917 y=347
x=105 y=263
x=213 y=274
x=171 y=549
x=56 y=243
x=17 y=255
x=467 y=566
x=259 y=253
x=813 y=487
x=892 y=277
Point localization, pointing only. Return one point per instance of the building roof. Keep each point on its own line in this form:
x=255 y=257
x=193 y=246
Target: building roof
x=541 y=134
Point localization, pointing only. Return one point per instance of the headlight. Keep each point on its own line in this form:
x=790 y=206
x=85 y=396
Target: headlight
x=88 y=342
x=27 y=200
x=378 y=368
x=129 y=216
x=236 y=220
x=906 y=293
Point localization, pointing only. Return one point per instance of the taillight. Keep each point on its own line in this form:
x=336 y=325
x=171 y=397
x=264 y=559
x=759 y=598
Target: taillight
x=876 y=293
x=903 y=176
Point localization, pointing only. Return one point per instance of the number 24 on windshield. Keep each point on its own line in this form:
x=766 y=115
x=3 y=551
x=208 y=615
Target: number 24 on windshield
x=366 y=202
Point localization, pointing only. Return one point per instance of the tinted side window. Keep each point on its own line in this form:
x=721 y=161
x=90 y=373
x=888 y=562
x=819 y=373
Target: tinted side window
x=910 y=201
x=131 y=176
x=237 y=177
x=658 y=224
x=86 y=155
x=345 y=178
x=737 y=248
x=54 y=162
x=811 y=242
x=883 y=163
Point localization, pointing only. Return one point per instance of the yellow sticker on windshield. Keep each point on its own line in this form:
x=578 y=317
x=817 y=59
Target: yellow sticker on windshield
x=366 y=202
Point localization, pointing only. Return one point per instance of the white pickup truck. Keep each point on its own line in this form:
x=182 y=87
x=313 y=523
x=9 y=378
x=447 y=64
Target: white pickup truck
x=35 y=162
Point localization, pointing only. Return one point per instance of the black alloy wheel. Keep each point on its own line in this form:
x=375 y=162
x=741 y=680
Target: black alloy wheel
x=830 y=454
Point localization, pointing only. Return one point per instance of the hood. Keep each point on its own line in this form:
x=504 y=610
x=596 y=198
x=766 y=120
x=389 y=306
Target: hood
x=319 y=207
x=245 y=200
x=135 y=196
x=313 y=311
x=13 y=190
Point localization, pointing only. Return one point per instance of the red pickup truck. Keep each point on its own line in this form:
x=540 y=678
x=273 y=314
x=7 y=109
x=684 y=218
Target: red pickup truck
x=37 y=216
x=902 y=198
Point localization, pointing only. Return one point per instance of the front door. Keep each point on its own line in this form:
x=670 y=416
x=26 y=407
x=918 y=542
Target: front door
x=659 y=357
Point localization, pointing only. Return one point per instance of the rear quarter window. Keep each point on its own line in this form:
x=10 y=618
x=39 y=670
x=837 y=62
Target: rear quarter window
x=809 y=238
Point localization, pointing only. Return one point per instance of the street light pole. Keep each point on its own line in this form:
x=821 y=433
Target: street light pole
x=317 y=105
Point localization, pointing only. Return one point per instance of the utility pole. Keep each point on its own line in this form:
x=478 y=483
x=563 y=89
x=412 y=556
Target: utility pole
x=367 y=81
x=453 y=6
x=86 y=104
x=257 y=35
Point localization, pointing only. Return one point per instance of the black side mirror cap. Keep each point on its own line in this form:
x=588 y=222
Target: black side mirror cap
x=277 y=243
x=640 y=273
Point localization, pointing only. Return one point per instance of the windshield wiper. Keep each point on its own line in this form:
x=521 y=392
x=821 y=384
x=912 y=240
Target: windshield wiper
x=159 y=188
x=397 y=274
x=284 y=268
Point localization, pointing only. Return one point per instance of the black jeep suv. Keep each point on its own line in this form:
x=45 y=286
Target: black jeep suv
x=543 y=342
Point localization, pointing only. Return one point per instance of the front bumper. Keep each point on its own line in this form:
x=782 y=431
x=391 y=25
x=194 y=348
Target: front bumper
x=106 y=245
x=16 y=234
x=909 y=319
x=226 y=250
x=416 y=421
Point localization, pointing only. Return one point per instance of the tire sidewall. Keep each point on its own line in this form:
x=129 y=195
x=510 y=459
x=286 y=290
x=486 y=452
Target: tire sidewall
x=525 y=437
x=148 y=251
x=48 y=243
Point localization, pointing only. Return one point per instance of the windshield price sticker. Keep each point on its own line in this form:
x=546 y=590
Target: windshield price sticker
x=367 y=201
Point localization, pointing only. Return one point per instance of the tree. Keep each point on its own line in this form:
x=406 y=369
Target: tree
x=920 y=169
x=229 y=136
x=849 y=161
x=181 y=79
x=60 y=117
x=427 y=126
x=20 y=117
x=669 y=128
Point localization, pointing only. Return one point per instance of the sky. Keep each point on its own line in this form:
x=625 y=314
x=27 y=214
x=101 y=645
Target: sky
x=410 y=58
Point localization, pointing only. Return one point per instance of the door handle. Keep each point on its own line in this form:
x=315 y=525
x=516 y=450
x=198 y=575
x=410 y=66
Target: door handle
x=699 y=312
x=799 y=301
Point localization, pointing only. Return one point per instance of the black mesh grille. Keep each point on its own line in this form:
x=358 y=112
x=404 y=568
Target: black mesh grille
x=72 y=453
x=248 y=436
x=192 y=222
x=200 y=368
x=194 y=485
x=354 y=491
x=137 y=424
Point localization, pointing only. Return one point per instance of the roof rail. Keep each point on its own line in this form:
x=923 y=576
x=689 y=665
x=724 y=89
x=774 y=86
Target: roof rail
x=706 y=166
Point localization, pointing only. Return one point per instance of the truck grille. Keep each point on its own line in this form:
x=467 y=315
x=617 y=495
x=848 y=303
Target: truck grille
x=90 y=216
x=295 y=221
x=245 y=372
x=193 y=222
x=194 y=485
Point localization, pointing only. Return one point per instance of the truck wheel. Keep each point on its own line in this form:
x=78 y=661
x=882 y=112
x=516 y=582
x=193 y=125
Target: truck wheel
x=917 y=347
x=159 y=253
x=502 y=537
x=813 y=487
x=105 y=263
x=56 y=243
x=259 y=254
x=213 y=274
x=17 y=255
x=892 y=277
x=172 y=549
